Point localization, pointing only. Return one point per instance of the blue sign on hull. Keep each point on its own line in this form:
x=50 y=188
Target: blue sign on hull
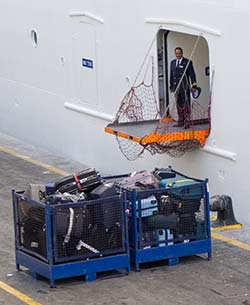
x=88 y=63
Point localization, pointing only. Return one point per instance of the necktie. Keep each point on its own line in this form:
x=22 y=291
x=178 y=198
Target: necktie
x=177 y=63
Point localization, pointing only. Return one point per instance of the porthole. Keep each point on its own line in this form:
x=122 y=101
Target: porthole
x=34 y=38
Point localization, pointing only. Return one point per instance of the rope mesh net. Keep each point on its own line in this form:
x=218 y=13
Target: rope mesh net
x=141 y=104
x=138 y=105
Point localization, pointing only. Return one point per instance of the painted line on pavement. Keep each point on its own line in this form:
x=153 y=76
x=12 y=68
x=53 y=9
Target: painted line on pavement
x=19 y=295
x=237 y=226
x=231 y=241
x=33 y=161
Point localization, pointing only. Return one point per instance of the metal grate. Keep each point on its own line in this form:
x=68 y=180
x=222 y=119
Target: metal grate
x=71 y=231
x=31 y=227
x=89 y=229
x=168 y=216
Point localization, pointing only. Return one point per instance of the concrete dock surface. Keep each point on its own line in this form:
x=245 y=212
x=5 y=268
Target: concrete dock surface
x=225 y=280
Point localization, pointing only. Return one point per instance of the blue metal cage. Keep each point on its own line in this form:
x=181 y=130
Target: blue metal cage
x=71 y=239
x=170 y=222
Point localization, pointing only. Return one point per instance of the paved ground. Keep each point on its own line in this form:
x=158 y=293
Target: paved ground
x=196 y=281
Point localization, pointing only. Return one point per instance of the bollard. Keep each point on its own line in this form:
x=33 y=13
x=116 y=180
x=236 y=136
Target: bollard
x=222 y=204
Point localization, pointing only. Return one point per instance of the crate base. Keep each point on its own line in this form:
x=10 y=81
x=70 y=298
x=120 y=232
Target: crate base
x=171 y=253
x=89 y=268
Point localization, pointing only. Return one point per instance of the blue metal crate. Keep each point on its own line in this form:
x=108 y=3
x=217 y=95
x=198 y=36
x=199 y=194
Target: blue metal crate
x=182 y=217
x=45 y=251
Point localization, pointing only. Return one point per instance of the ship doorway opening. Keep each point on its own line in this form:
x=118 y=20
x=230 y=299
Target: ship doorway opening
x=161 y=120
x=193 y=46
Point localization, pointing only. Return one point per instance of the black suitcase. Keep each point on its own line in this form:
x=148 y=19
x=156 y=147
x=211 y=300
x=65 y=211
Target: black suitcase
x=84 y=181
x=107 y=189
x=86 y=236
x=163 y=173
x=70 y=225
x=33 y=236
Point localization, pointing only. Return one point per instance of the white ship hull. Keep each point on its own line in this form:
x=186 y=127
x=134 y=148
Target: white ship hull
x=48 y=98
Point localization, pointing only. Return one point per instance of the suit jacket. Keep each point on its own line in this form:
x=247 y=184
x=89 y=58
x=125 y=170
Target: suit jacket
x=177 y=72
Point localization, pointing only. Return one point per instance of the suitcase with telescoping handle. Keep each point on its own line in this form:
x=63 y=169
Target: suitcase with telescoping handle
x=84 y=181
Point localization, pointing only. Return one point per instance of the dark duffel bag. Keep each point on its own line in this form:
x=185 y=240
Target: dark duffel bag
x=186 y=224
x=84 y=181
x=162 y=221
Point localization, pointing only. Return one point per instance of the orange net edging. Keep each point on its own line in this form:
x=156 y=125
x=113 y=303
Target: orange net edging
x=122 y=135
x=154 y=137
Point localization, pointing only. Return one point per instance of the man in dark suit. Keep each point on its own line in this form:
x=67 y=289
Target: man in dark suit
x=182 y=79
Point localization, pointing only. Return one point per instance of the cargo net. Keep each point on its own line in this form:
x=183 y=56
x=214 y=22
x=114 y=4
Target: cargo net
x=175 y=140
x=140 y=105
x=170 y=218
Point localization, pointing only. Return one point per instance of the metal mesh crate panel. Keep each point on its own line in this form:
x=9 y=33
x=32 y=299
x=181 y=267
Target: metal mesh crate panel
x=170 y=216
x=31 y=226
x=89 y=229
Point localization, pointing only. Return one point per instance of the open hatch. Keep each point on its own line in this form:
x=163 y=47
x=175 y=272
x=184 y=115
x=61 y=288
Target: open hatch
x=148 y=115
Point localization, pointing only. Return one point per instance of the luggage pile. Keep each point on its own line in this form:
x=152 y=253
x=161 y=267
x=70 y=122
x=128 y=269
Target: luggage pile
x=169 y=216
x=177 y=213
x=85 y=225
x=135 y=218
